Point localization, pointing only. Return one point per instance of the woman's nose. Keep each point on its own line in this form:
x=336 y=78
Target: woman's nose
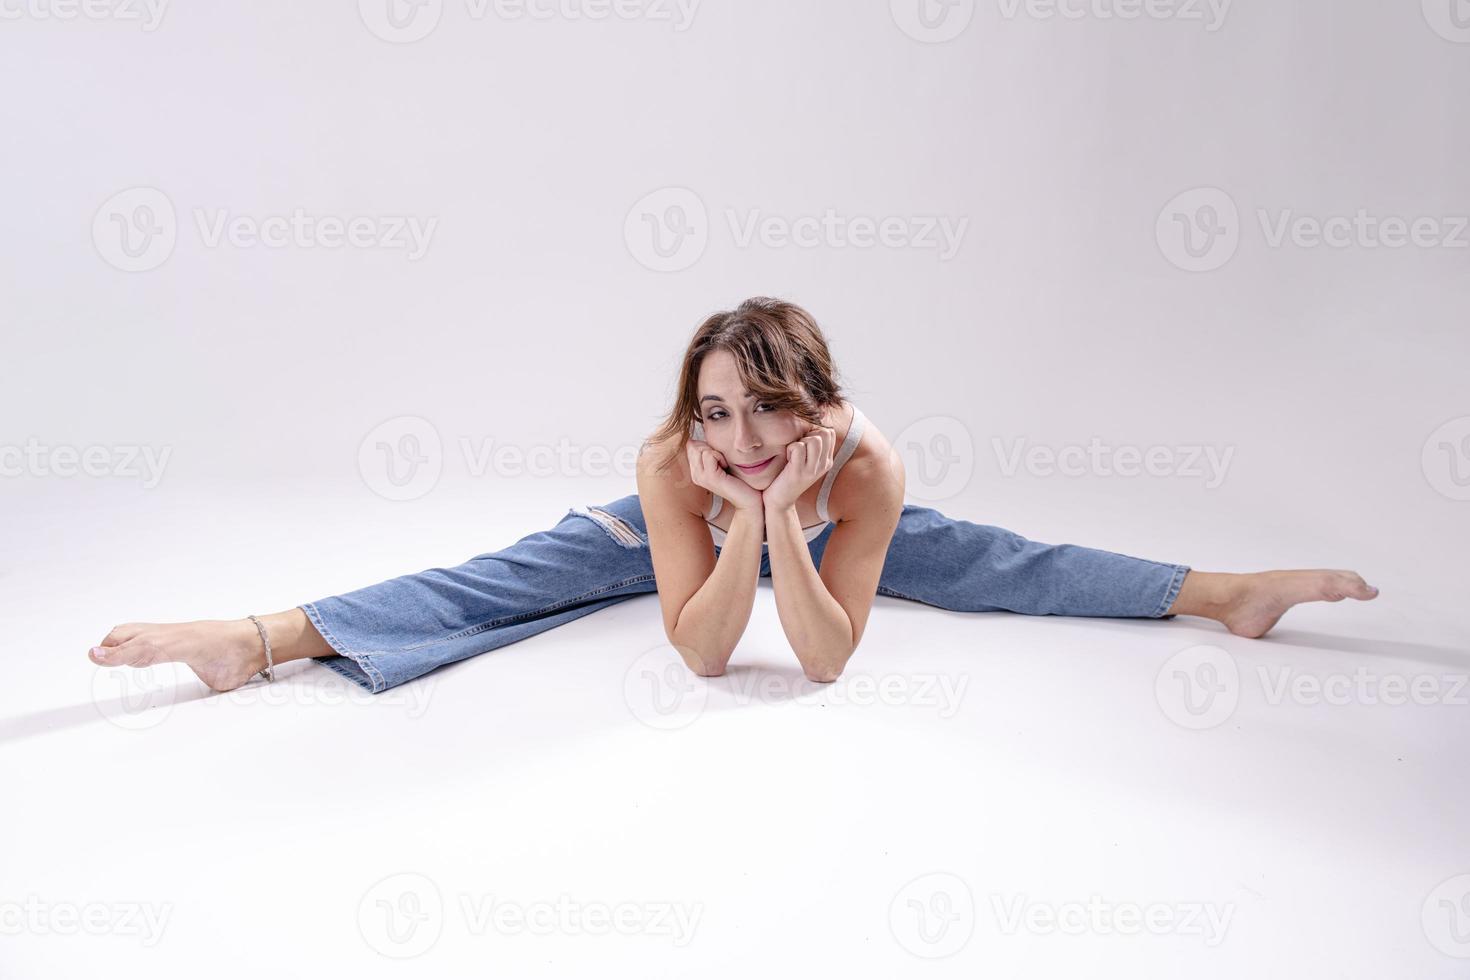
x=745 y=437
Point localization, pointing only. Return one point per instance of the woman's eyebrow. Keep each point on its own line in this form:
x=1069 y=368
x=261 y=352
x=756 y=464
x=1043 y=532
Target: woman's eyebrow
x=717 y=398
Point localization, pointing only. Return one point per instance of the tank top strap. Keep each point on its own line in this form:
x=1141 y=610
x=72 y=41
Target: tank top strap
x=843 y=454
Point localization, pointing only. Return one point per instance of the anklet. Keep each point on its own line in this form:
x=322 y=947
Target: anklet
x=269 y=673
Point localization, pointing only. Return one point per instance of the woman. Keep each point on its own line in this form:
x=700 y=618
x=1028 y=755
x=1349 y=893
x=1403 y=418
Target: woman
x=762 y=469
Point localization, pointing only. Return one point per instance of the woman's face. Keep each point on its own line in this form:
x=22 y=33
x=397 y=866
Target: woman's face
x=742 y=430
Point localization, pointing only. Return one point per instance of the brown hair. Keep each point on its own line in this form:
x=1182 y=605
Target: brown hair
x=780 y=353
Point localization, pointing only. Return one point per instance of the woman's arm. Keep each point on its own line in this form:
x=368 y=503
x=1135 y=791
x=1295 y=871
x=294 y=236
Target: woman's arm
x=706 y=603
x=713 y=620
x=824 y=614
x=816 y=625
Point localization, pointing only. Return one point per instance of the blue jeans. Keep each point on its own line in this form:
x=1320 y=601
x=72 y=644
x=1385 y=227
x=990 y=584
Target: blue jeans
x=394 y=631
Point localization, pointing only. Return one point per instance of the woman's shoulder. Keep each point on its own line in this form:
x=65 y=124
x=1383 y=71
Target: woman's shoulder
x=663 y=466
x=871 y=480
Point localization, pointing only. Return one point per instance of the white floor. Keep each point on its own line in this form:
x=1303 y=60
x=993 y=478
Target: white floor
x=979 y=796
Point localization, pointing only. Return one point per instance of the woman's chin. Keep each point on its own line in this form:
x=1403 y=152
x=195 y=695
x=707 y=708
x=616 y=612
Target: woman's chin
x=759 y=480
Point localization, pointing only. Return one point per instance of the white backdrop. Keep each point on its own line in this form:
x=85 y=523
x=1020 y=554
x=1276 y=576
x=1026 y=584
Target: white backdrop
x=509 y=170
x=339 y=257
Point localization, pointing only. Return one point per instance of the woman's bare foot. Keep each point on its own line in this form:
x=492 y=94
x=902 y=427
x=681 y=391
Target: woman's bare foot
x=1249 y=605
x=223 y=653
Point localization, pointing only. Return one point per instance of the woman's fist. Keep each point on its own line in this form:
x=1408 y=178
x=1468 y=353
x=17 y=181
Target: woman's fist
x=708 y=469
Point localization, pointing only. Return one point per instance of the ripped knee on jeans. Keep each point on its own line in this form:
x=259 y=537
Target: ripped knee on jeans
x=618 y=529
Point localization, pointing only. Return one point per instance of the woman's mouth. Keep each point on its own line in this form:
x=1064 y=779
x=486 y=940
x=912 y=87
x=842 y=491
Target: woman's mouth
x=757 y=467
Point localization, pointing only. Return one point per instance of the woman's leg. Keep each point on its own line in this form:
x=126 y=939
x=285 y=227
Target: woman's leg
x=963 y=566
x=385 y=634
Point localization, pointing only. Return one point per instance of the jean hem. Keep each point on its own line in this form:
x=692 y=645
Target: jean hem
x=1171 y=593
x=367 y=674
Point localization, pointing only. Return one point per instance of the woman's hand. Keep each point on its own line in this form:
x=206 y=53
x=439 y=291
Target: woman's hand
x=707 y=468
x=806 y=460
